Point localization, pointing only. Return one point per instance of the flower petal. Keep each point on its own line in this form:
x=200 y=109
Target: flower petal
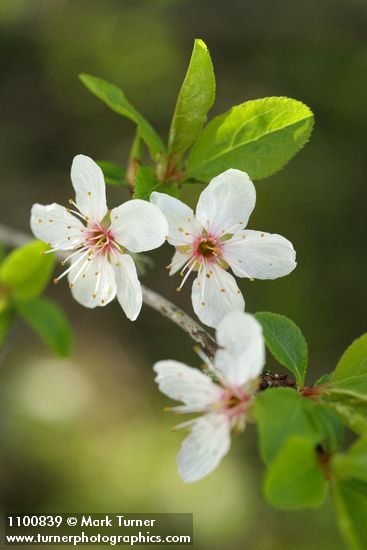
x=259 y=255
x=128 y=287
x=183 y=383
x=201 y=452
x=178 y=261
x=241 y=353
x=94 y=284
x=54 y=225
x=214 y=294
x=180 y=217
x=90 y=189
x=139 y=225
x=227 y=202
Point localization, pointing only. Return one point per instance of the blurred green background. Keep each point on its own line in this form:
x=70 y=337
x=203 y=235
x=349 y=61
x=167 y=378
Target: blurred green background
x=89 y=434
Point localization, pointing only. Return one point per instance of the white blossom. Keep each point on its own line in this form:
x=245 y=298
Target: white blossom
x=215 y=239
x=238 y=363
x=99 y=239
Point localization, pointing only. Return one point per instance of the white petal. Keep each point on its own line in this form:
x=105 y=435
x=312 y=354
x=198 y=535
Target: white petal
x=183 y=383
x=214 y=294
x=180 y=217
x=259 y=255
x=128 y=287
x=95 y=284
x=241 y=353
x=138 y=225
x=178 y=261
x=90 y=189
x=54 y=225
x=227 y=202
x=204 y=448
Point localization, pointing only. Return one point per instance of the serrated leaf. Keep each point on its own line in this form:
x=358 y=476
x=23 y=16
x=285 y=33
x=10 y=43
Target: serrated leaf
x=194 y=101
x=295 y=479
x=353 y=362
x=115 y=99
x=286 y=343
x=348 y=383
x=350 y=498
x=26 y=271
x=49 y=321
x=281 y=413
x=114 y=174
x=258 y=137
x=146 y=182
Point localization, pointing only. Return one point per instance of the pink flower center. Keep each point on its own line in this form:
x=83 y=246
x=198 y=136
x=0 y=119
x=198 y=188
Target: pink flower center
x=100 y=240
x=234 y=402
x=207 y=247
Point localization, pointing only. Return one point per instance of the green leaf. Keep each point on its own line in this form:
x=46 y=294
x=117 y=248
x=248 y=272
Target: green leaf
x=352 y=417
x=49 y=322
x=194 y=101
x=324 y=379
x=258 y=136
x=281 y=413
x=352 y=464
x=286 y=343
x=350 y=498
x=114 y=174
x=330 y=424
x=146 y=182
x=348 y=383
x=353 y=362
x=343 y=394
x=115 y=98
x=26 y=271
x=295 y=479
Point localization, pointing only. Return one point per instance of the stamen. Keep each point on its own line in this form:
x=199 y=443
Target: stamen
x=188 y=273
x=70 y=267
x=84 y=264
x=202 y=267
x=96 y=288
x=79 y=214
x=187 y=264
x=73 y=254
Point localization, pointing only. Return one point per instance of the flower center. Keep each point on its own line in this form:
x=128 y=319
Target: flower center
x=234 y=403
x=207 y=247
x=100 y=240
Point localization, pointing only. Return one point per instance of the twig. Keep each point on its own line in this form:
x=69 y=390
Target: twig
x=11 y=237
x=178 y=316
